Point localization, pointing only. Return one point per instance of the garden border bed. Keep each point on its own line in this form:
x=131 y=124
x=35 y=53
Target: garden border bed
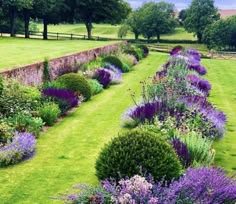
x=33 y=74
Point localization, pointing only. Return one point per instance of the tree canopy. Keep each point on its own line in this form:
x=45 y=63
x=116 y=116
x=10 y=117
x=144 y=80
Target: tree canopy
x=201 y=14
x=221 y=34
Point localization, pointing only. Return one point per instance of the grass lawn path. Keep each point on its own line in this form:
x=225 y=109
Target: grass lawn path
x=222 y=75
x=67 y=152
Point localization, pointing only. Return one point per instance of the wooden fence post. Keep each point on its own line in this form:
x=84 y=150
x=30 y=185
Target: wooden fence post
x=71 y=36
x=57 y=36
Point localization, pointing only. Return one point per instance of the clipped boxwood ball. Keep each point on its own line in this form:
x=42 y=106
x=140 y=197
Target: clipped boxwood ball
x=77 y=83
x=114 y=61
x=136 y=152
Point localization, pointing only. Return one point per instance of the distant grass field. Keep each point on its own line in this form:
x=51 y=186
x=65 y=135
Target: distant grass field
x=18 y=51
x=110 y=31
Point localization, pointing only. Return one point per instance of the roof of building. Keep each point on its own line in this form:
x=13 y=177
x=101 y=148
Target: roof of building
x=227 y=13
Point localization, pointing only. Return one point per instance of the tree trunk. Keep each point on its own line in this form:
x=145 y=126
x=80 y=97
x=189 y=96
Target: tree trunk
x=89 y=27
x=158 y=37
x=45 y=29
x=136 y=36
x=199 y=37
x=27 y=21
x=13 y=21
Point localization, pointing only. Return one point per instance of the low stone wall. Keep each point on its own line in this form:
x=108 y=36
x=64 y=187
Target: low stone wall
x=33 y=74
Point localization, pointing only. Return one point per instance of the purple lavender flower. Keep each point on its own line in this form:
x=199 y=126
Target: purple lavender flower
x=193 y=54
x=182 y=152
x=22 y=147
x=203 y=85
x=103 y=76
x=196 y=66
x=203 y=185
x=62 y=94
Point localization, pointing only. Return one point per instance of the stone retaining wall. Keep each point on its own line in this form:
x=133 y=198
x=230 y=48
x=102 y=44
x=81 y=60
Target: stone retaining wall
x=33 y=74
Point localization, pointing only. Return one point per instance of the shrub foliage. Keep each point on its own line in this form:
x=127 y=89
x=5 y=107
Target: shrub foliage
x=135 y=152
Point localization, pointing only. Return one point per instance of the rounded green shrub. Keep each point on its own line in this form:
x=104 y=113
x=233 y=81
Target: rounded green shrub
x=49 y=113
x=136 y=152
x=114 y=61
x=96 y=87
x=77 y=83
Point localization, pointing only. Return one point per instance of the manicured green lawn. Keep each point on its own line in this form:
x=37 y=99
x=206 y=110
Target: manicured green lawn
x=222 y=75
x=67 y=152
x=111 y=31
x=16 y=51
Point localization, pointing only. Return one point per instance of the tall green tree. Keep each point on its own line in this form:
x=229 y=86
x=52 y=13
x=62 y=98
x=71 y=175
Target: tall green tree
x=221 y=34
x=11 y=7
x=134 y=23
x=201 y=14
x=157 y=19
x=50 y=11
x=97 y=11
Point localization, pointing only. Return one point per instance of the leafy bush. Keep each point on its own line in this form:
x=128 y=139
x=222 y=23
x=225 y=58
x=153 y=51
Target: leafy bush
x=1 y=85
x=25 y=99
x=54 y=84
x=88 y=194
x=64 y=98
x=137 y=52
x=49 y=113
x=94 y=64
x=113 y=60
x=96 y=87
x=6 y=132
x=26 y=123
x=126 y=58
x=145 y=49
x=77 y=83
x=22 y=147
x=200 y=149
x=126 y=154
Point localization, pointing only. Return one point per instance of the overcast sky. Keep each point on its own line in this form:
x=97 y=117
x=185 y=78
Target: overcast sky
x=181 y=4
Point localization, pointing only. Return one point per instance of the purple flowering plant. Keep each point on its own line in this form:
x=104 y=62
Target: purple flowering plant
x=65 y=98
x=20 y=148
x=103 y=76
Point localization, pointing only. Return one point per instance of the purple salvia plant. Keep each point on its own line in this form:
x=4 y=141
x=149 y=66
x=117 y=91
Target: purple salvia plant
x=182 y=151
x=62 y=94
x=22 y=147
x=203 y=85
x=103 y=76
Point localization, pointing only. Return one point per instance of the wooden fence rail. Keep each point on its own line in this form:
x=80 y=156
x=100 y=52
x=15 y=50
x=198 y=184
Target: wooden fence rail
x=56 y=36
